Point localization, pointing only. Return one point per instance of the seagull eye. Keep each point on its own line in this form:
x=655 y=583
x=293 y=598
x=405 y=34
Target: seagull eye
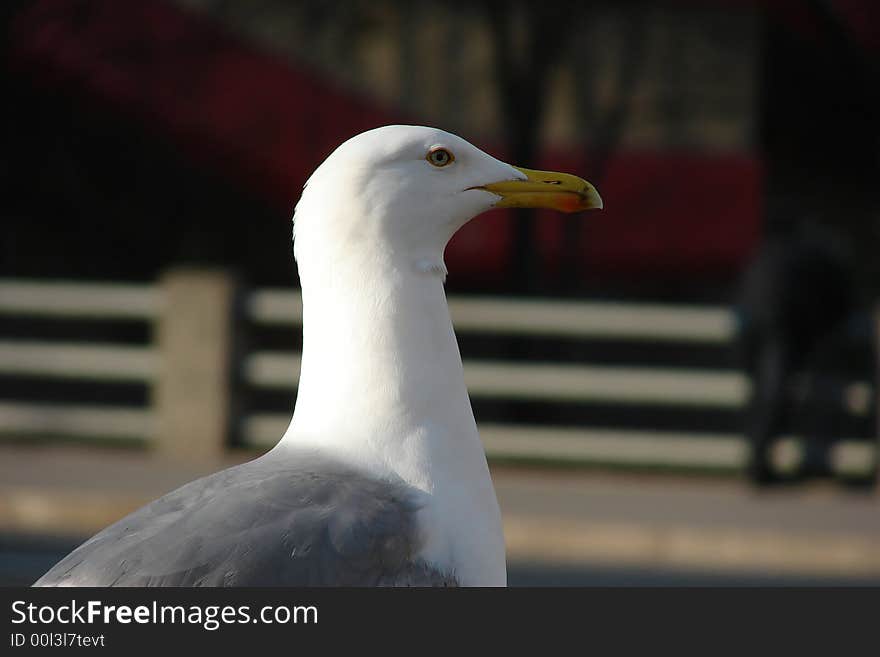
x=440 y=157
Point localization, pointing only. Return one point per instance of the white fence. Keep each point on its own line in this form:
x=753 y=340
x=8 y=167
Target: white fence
x=556 y=382
x=59 y=360
x=191 y=365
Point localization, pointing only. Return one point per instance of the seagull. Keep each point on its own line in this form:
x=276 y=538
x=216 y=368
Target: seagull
x=381 y=478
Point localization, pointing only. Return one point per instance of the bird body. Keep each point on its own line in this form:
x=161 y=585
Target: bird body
x=381 y=477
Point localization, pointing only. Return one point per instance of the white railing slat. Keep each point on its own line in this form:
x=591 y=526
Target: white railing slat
x=92 y=361
x=592 y=319
x=79 y=300
x=652 y=448
x=554 y=382
x=570 y=443
x=20 y=418
x=270 y=306
x=581 y=319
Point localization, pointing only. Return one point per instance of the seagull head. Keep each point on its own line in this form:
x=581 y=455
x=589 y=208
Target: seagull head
x=403 y=191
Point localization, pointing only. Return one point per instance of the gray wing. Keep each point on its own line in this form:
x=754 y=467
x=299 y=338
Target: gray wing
x=269 y=522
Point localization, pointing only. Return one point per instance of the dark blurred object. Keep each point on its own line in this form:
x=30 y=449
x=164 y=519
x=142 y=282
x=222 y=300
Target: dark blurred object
x=802 y=343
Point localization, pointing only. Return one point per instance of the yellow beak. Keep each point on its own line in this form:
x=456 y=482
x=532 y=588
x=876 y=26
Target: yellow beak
x=546 y=189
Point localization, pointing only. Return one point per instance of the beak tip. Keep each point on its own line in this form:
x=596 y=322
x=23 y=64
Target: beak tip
x=593 y=201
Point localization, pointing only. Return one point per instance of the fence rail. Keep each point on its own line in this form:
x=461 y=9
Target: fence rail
x=554 y=382
x=80 y=421
x=574 y=445
x=550 y=318
x=79 y=300
x=192 y=315
x=106 y=362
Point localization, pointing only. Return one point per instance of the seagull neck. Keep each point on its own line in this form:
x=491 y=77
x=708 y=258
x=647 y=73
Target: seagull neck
x=381 y=376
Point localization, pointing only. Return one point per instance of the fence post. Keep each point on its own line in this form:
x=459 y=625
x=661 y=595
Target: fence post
x=195 y=338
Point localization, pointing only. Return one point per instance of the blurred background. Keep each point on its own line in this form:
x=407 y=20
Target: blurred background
x=678 y=390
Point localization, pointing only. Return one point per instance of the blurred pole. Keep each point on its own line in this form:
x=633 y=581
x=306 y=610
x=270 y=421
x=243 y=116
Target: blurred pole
x=192 y=393
x=455 y=70
x=527 y=39
x=603 y=130
x=407 y=48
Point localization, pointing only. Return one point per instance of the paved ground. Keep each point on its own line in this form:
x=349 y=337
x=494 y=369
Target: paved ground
x=561 y=527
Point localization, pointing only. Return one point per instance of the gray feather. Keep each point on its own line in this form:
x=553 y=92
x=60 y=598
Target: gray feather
x=306 y=521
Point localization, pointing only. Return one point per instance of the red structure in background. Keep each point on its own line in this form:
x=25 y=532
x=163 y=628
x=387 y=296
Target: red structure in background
x=264 y=125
